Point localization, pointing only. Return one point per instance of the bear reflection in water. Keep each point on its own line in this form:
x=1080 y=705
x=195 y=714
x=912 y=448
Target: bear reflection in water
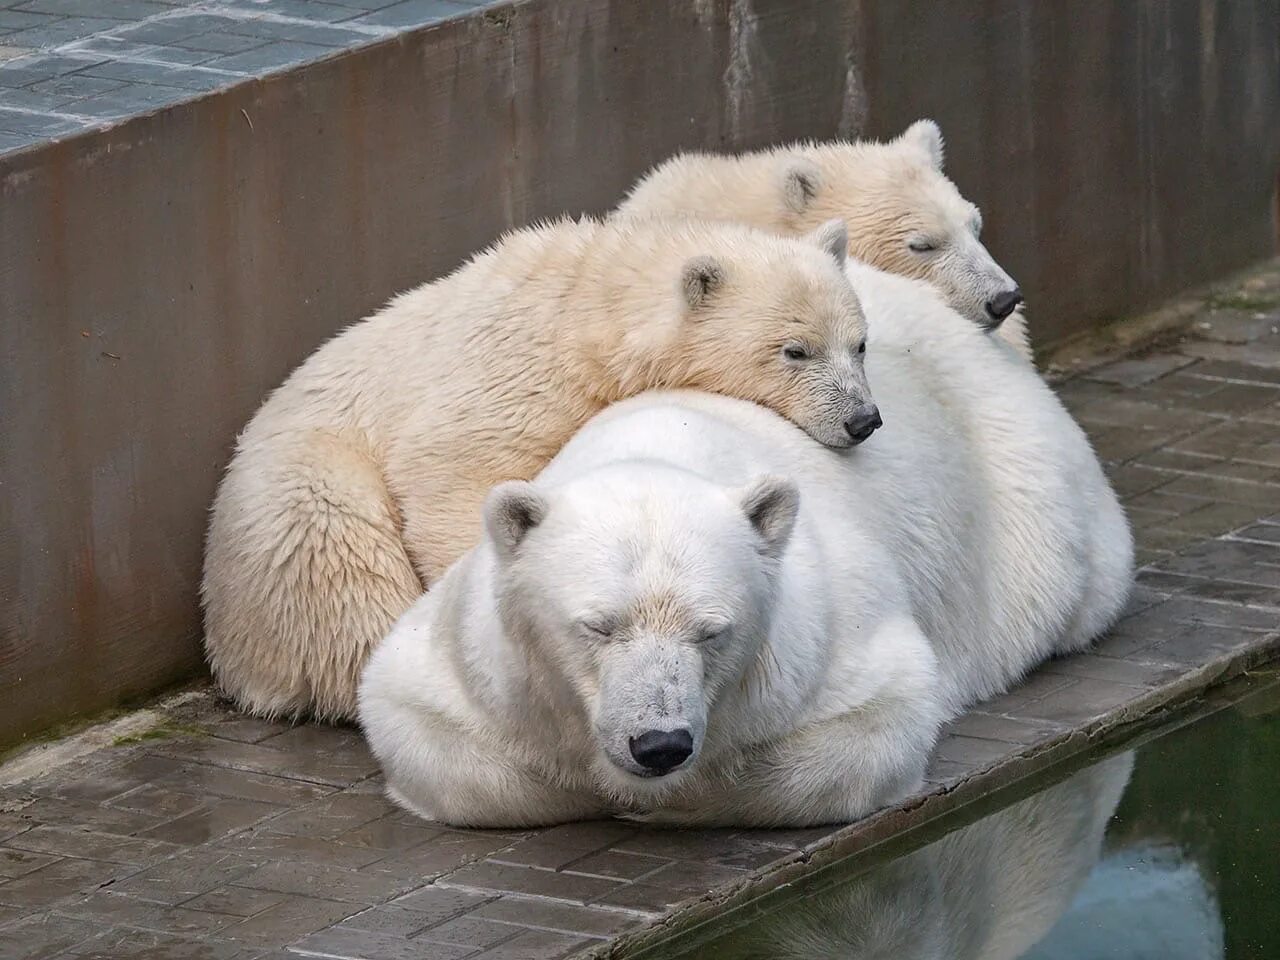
x=995 y=890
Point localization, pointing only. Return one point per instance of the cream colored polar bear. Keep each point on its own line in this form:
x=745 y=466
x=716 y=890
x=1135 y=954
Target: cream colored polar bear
x=904 y=215
x=361 y=478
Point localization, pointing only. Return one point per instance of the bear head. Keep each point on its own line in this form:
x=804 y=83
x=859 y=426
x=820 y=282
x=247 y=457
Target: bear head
x=775 y=321
x=639 y=594
x=904 y=215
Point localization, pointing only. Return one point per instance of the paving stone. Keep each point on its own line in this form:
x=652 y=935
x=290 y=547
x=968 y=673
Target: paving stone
x=75 y=87
x=343 y=943
x=1132 y=479
x=412 y=13
x=158 y=801
x=725 y=847
x=616 y=866
x=91 y=845
x=221 y=43
x=691 y=876
x=333 y=816
x=58 y=880
x=61 y=30
x=130 y=942
x=1236 y=326
x=317 y=34
x=15 y=862
x=441 y=903
x=443 y=854
x=44 y=936
x=1136 y=372
x=204 y=780
x=287 y=921
x=530 y=881
x=264 y=845
x=970 y=751
x=1094 y=666
x=1265 y=532
x=117 y=909
x=188 y=78
x=1215 y=488
x=535 y=945
x=1235 y=372
x=186 y=876
x=572 y=919
x=325 y=881
x=390 y=920
x=1008 y=730
x=559 y=846
x=235 y=901
x=643 y=898
x=1084 y=701
x=269 y=56
x=468 y=931
x=216 y=818
x=262 y=759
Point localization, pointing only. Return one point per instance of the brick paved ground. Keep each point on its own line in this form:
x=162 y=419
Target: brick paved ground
x=227 y=838
x=69 y=65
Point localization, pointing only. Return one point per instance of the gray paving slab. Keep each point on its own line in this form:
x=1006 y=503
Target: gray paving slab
x=163 y=52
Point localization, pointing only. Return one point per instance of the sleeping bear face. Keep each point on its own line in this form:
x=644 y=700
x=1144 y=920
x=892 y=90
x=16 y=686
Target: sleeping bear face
x=779 y=324
x=640 y=595
x=904 y=214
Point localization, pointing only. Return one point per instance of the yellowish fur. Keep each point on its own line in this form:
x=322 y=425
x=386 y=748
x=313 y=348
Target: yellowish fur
x=887 y=193
x=360 y=480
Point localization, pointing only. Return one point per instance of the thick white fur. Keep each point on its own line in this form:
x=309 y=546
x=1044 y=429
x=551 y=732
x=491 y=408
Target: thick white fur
x=891 y=195
x=988 y=891
x=361 y=478
x=978 y=518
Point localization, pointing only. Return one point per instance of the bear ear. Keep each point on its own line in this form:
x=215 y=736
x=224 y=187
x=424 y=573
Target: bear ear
x=926 y=136
x=771 y=504
x=833 y=237
x=801 y=179
x=511 y=510
x=700 y=278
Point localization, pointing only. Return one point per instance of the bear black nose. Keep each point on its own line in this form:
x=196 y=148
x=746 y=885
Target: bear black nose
x=863 y=423
x=1003 y=304
x=661 y=751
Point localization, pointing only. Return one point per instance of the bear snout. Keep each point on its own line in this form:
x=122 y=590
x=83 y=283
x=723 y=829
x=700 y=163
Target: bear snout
x=660 y=751
x=863 y=423
x=1002 y=304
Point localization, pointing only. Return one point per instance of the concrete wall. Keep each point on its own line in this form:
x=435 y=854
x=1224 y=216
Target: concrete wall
x=157 y=279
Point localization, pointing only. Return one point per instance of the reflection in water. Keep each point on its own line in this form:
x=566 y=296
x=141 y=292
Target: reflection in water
x=1189 y=868
x=989 y=891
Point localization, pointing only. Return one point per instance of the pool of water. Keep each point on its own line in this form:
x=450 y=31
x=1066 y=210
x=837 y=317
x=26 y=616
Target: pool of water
x=1169 y=850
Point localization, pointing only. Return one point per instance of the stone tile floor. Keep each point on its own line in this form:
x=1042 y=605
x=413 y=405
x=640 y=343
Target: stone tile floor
x=69 y=65
x=216 y=836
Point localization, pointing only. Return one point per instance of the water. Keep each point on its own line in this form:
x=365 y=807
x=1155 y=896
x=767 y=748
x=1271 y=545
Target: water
x=1167 y=851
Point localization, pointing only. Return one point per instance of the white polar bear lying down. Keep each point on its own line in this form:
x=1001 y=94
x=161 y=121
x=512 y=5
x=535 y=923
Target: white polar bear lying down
x=659 y=626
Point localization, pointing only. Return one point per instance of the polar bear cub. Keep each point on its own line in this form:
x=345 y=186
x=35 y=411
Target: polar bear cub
x=361 y=478
x=904 y=215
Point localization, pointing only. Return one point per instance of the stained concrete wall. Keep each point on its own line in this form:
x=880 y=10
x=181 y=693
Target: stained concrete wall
x=157 y=279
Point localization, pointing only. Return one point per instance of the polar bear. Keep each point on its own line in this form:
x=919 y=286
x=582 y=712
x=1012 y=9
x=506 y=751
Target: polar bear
x=673 y=637
x=613 y=646
x=904 y=215
x=361 y=478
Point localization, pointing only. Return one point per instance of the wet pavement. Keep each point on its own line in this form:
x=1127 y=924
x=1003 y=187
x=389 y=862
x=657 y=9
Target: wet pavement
x=210 y=835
